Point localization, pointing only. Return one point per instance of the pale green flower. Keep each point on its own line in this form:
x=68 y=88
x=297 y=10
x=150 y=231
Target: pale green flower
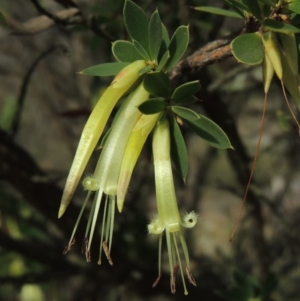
x=95 y=125
x=106 y=176
x=169 y=219
x=133 y=149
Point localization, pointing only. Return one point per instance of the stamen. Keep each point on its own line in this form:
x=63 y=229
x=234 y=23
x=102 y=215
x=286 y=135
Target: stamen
x=68 y=246
x=179 y=262
x=159 y=261
x=111 y=211
x=102 y=229
x=84 y=244
x=184 y=248
x=72 y=239
x=87 y=252
x=171 y=263
x=190 y=276
x=172 y=283
x=156 y=280
x=107 y=253
x=87 y=229
x=96 y=211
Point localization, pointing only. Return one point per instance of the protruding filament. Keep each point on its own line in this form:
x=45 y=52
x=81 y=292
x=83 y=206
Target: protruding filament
x=97 y=201
x=179 y=262
x=72 y=239
x=107 y=228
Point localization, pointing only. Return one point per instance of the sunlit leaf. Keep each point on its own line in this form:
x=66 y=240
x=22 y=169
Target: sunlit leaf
x=186 y=90
x=136 y=23
x=158 y=84
x=177 y=47
x=248 y=48
x=210 y=132
x=107 y=69
x=152 y=106
x=178 y=149
x=185 y=113
x=274 y=25
x=155 y=35
x=218 y=11
x=125 y=51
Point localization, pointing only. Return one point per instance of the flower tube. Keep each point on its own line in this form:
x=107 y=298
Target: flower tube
x=133 y=149
x=106 y=175
x=95 y=125
x=169 y=219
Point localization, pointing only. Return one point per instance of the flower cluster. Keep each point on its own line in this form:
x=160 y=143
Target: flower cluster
x=150 y=105
x=113 y=171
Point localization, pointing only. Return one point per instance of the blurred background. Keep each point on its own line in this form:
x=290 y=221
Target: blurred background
x=44 y=104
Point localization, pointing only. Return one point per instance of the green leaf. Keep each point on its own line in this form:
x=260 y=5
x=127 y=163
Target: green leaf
x=155 y=35
x=210 y=132
x=188 y=100
x=152 y=106
x=179 y=153
x=236 y=9
x=185 y=113
x=253 y=7
x=163 y=61
x=294 y=6
x=158 y=84
x=125 y=51
x=185 y=91
x=136 y=23
x=274 y=25
x=290 y=48
x=177 y=47
x=218 y=11
x=237 y=6
x=248 y=48
x=107 y=69
x=164 y=43
x=141 y=50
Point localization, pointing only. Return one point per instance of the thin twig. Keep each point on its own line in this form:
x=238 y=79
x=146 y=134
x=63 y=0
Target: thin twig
x=25 y=85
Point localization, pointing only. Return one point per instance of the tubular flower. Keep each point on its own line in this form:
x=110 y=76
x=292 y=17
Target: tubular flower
x=169 y=219
x=95 y=125
x=106 y=176
x=133 y=149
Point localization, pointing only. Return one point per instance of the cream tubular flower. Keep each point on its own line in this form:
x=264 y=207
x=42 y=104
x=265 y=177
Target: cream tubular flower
x=106 y=176
x=95 y=125
x=133 y=149
x=169 y=219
